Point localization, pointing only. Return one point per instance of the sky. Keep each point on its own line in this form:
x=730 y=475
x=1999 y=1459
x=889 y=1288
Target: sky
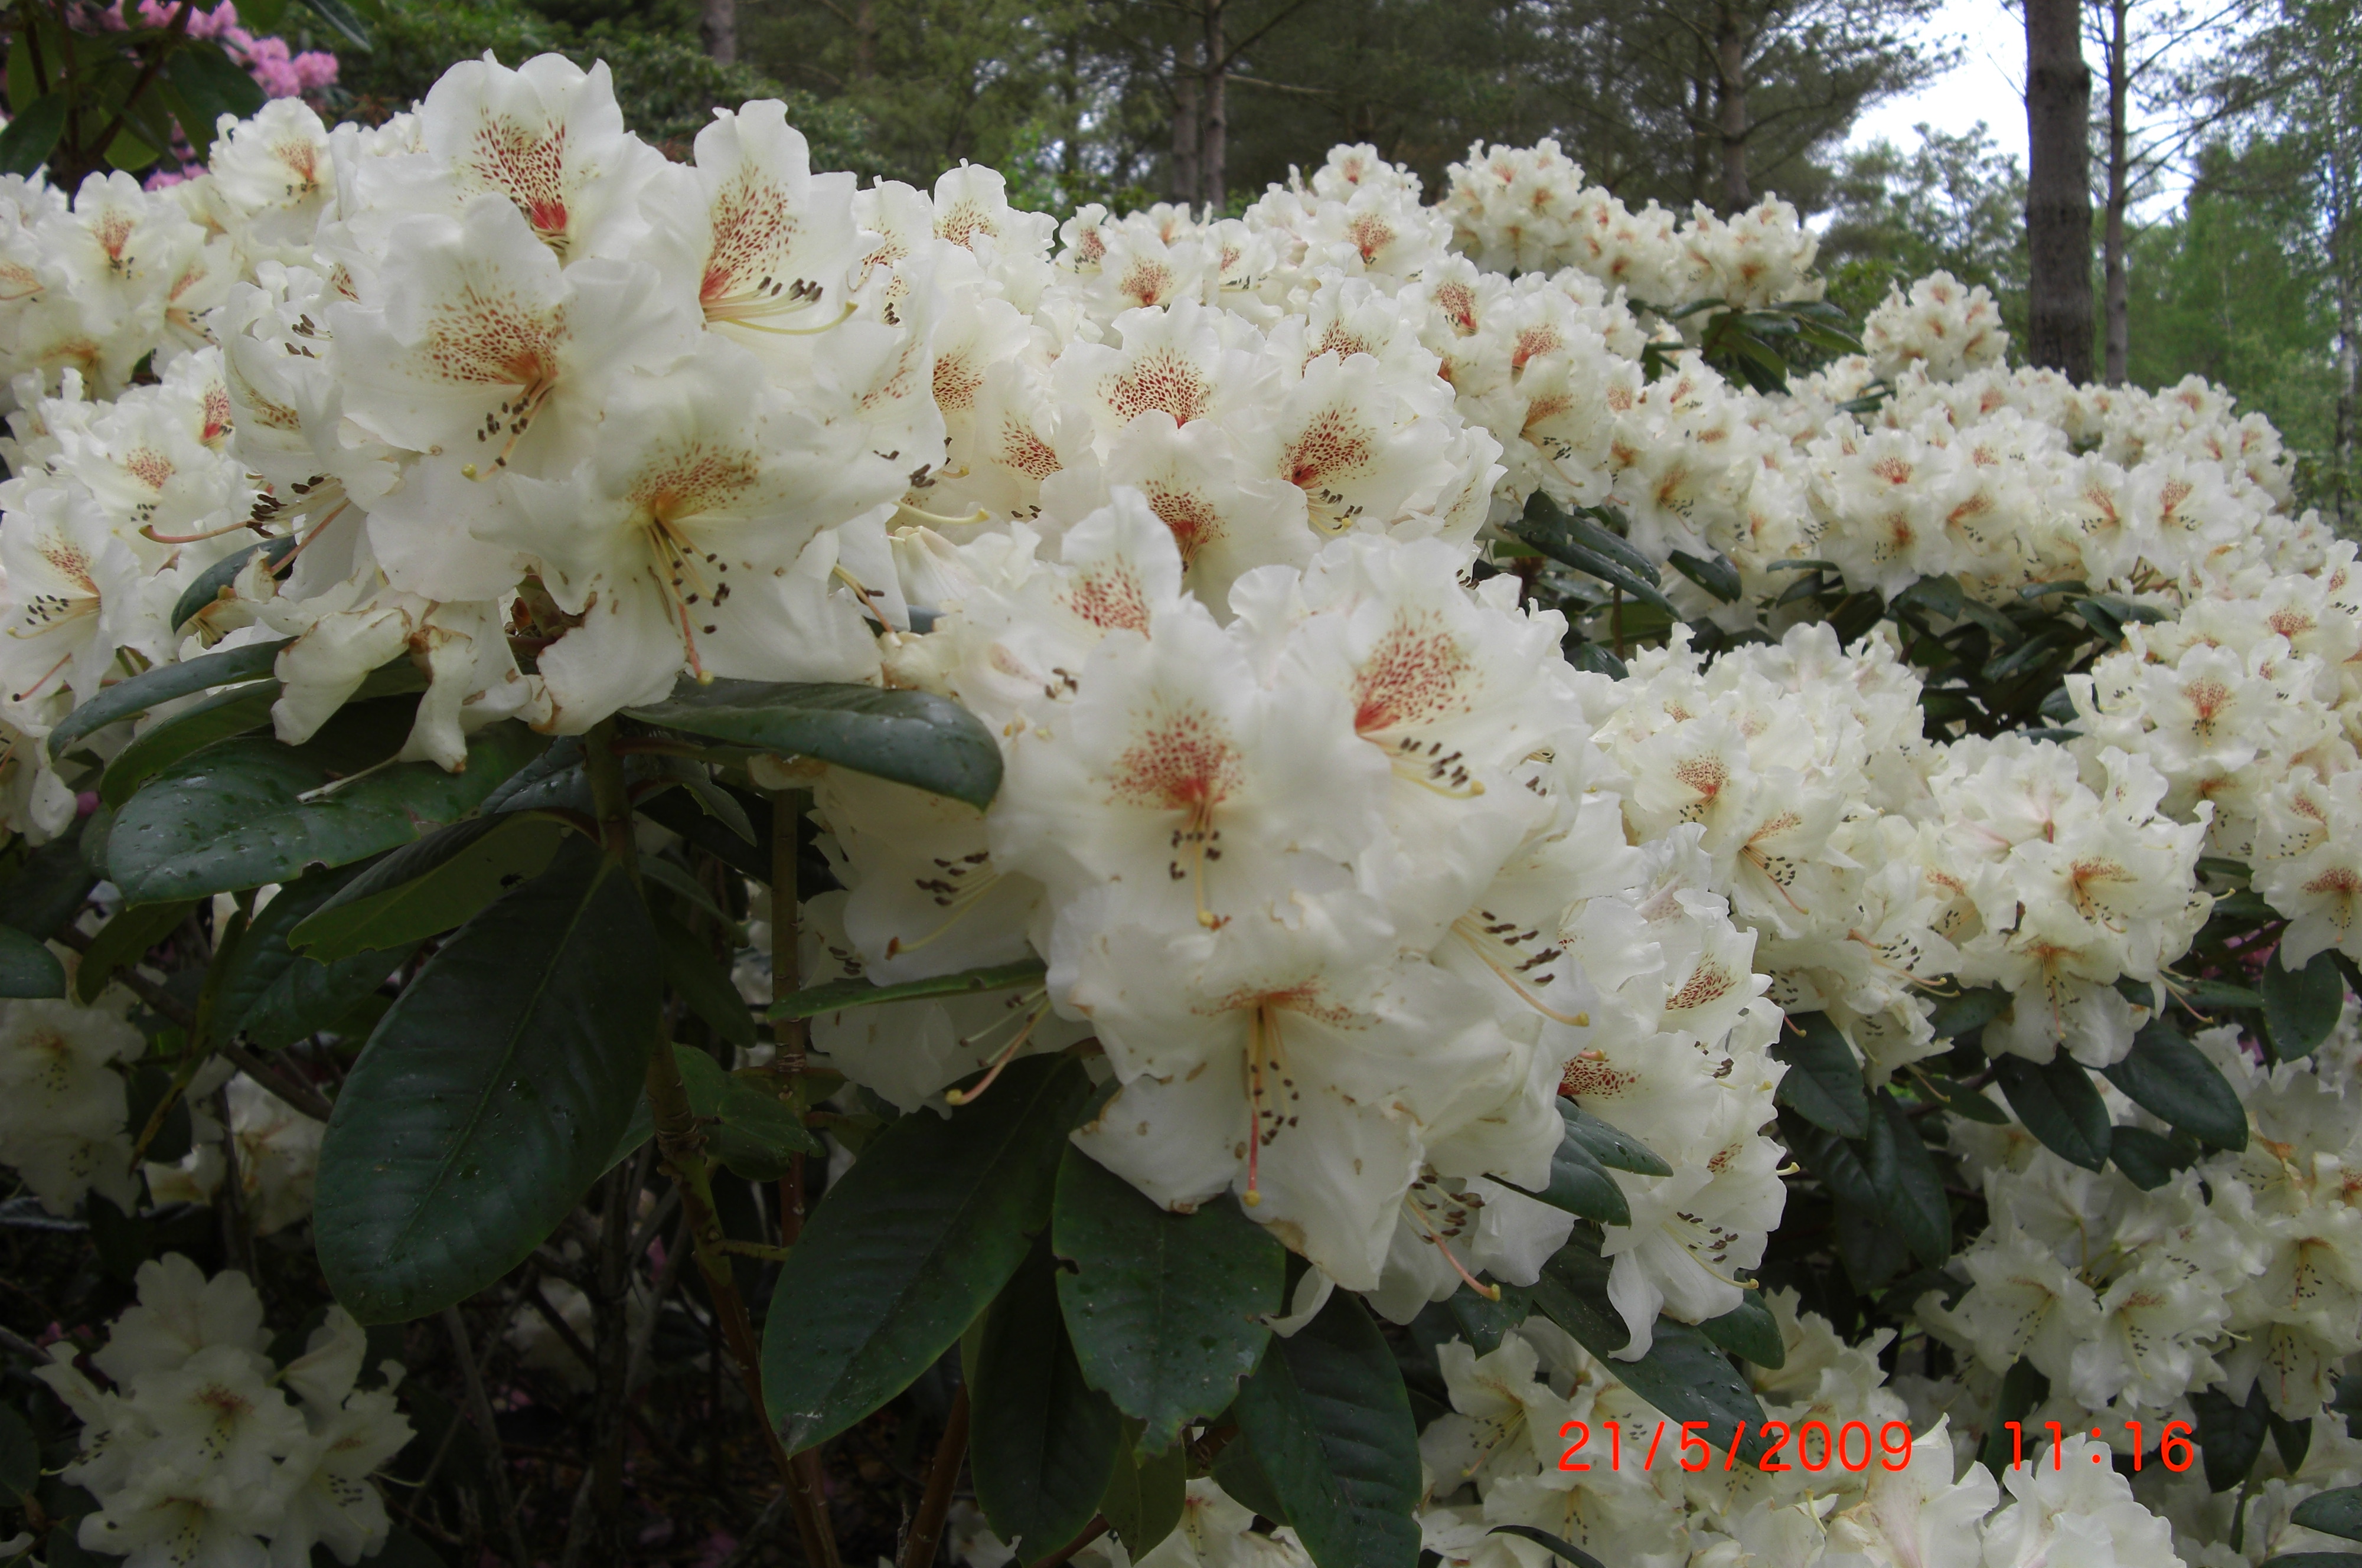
x=1986 y=85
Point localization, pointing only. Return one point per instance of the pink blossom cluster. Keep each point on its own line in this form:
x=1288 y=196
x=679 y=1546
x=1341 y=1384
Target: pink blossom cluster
x=283 y=74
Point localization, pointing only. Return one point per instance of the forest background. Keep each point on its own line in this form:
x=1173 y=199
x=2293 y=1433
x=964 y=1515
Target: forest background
x=2252 y=109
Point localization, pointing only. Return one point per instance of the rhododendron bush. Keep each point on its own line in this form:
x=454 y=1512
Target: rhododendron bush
x=1400 y=878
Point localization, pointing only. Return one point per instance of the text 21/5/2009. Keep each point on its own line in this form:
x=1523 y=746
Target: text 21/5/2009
x=1813 y=1446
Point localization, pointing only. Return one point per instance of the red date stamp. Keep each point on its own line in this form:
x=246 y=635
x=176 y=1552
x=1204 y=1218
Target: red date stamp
x=1814 y=1446
x=1810 y=1445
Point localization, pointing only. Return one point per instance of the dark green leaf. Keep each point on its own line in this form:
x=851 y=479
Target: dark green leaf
x=1238 y=1474
x=910 y=1245
x=1823 y=1083
x=1042 y=1446
x=26 y=145
x=48 y=888
x=1615 y=1149
x=2149 y=1159
x=21 y=1457
x=1580 y=1185
x=2294 y=1439
x=273 y=995
x=1581 y=525
x=2301 y=1009
x=1687 y=1378
x=205 y=588
x=681 y=812
x=1565 y=1550
x=1165 y=1309
x=2335 y=1513
x=1481 y=1322
x=754 y=1134
x=402 y=1549
x=2219 y=994
x=427 y=887
x=212 y=85
x=910 y=737
x=2230 y=1436
x=128 y=698
x=1597 y=660
x=123 y=940
x=339 y=16
x=1549 y=531
x=236 y=814
x=1749 y=1329
x=1717 y=575
x=1973 y=1009
x=1961 y=1101
x=1904 y=1174
x=195 y=727
x=1939 y=595
x=2023 y=1387
x=700 y=978
x=1145 y=1498
x=1329 y=1422
x=1572 y=1293
x=2315 y=1560
x=2171 y=1079
x=838 y=995
x=490 y=1097
x=27 y=969
x=2059 y=1105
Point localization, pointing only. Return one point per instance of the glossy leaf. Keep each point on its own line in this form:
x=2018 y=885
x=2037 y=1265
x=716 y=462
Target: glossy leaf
x=1716 y=575
x=1749 y=1329
x=2337 y=1513
x=1904 y=1171
x=1580 y=1185
x=488 y=1100
x=754 y=1134
x=128 y=698
x=1969 y=1011
x=275 y=996
x=2171 y=1079
x=1042 y=1443
x=27 y=967
x=1328 y=1422
x=1823 y=1083
x=1959 y=1099
x=205 y=588
x=2059 y=1105
x=236 y=815
x=1145 y=1495
x=1483 y=1322
x=910 y=1245
x=1610 y=1146
x=2230 y=1436
x=1572 y=1293
x=2149 y=1159
x=1688 y=1378
x=2301 y=1009
x=838 y=995
x=26 y=142
x=427 y=887
x=218 y=717
x=2314 y=1560
x=123 y=940
x=910 y=737
x=46 y=889
x=21 y=1457
x=2023 y=1387
x=1164 y=1310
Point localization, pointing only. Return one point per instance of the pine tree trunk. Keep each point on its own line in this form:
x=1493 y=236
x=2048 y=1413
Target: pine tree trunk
x=2059 y=188
x=1187 y=75
x=2117 y=302
x=1213 y=141
x=718 y=26
x=2344 y=502
x=1730 y=62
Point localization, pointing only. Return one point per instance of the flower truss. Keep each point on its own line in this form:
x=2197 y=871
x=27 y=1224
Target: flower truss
x=1605 y=861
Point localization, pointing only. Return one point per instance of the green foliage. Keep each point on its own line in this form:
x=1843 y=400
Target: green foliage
x=486 y=1102
x=1954 y=203
x=1164 y=1310
x=667 y=85
x=1043 y=1443
x=910 y=1246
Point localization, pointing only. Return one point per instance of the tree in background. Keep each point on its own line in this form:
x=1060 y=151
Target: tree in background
x=1955 y=204
x=2059 y=188
x=2233 y=288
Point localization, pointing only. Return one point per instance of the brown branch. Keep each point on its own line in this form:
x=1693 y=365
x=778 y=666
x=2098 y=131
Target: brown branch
x=479 y=1410
x=927 y=1526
